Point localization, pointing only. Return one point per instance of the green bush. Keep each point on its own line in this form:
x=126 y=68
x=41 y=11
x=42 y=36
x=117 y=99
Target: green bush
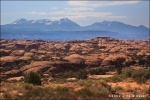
x=38 y=93
x=127 y=73
x=147 y=90
x=84 y=93
x=61 y=90
x=119 y=68
x=82 y=74
x=85 y=83
x=28 y=86
x=141 y=76
x=104 y=92
x=33 y=78
x=63 y=93
x=98 y=71
x=117 y=88
x=102 y=82
x=67 y=74
x=116 y=78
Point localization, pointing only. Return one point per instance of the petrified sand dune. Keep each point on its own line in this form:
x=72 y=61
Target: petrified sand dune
x=49 y=66
x=118 y=58
x=29 y=54
x=12 y=73
x=4 y=52
x=75 y=58
x=19 y=46
x=17 y=53
x=8 y=59
x=35 y=65
x=43 y=56
x=93 y=60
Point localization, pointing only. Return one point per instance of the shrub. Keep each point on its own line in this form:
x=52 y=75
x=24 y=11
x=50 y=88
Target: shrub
x=84 y=93
x=142 y=62
x=38 y=92
x=128 y=72
x=28 y=86
x=94 y=90
x=98 y=71
x=63 y=93
x=104 y=92
x=141 y=76
x=116 y=78
x=33 y=78
x=147 y=90
x=85 y=83
x=61 y=90
x=119 y=68
x=7 y=96
x=117 y=88
x=82 y=74
x=67 y=74
x=130 y=90
x=102 y=82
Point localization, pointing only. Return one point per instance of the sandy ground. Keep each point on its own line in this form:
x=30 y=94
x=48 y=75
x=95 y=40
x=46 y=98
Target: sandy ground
x=99 y=76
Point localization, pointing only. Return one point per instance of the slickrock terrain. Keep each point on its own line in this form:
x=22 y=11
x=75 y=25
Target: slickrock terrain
x=45 y=57
x=19 y=57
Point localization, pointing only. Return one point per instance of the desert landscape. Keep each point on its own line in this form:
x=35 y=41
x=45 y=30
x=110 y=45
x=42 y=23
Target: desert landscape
x=101 y=68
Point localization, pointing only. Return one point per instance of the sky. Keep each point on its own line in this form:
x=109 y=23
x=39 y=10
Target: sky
x=133 y=12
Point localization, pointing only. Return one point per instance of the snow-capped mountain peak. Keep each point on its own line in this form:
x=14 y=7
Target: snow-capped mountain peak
x=64 y=19
x=24 y=21
x=19 y=21
x=43 y=21
x=107 y=23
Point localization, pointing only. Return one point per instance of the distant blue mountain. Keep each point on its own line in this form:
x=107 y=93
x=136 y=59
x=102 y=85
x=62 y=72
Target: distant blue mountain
x=47 y=26
x=43 y=25
x=118 y=27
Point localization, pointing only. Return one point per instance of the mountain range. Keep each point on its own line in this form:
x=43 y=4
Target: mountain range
x=65 y=24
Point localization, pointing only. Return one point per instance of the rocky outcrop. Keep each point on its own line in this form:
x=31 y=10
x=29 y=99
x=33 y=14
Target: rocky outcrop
x=93 y=61
x=12 y=73
x=48 y=66
x=45 y=57
x=114 y=59
x=8 y=59
x=4 y=52
x=75 y=58
x=18 y=53
x=32 y=46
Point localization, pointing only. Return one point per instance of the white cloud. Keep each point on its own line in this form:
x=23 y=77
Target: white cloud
x=57 y=13
x=78 y=14
x=116 y=17
x=80 y=8
x=84 y=3
x=96 y=4
x=47 y=13
x=84 y=10
x=38 y=13
x=122 y=3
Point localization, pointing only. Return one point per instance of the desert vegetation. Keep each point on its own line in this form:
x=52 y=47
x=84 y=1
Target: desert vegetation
x=100 y=68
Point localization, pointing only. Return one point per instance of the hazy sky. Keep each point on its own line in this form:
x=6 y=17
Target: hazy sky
x=84 y=13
